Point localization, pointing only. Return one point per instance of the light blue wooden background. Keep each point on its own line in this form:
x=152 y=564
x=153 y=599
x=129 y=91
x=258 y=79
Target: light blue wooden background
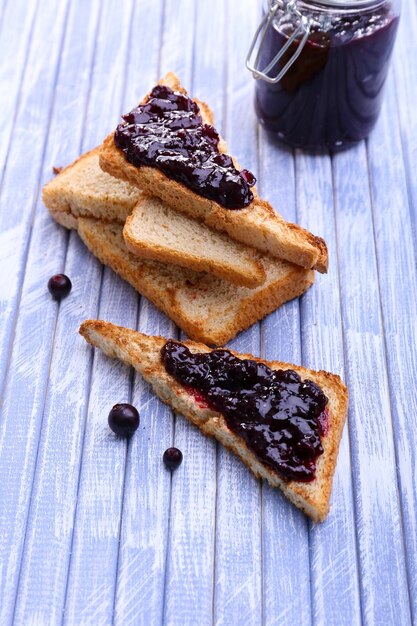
x=94 y=530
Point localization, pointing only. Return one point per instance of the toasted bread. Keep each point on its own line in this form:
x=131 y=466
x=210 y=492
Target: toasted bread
x=143 y=353
x=83 y=190
x=206 y=308
x=155 y=231
x=257 y=225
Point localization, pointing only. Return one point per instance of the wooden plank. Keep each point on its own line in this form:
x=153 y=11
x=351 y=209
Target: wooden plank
x=146 y=509
x=189 y=566
x=285 y=528
x=143 y=539
x=405 y=71
x=238 y=557
x=333 y=562
x=23 y=399
x=398 y=285
x=94 y=552
x=16 y=18
x=50 y=526
x=2 y=11
x=384 y=595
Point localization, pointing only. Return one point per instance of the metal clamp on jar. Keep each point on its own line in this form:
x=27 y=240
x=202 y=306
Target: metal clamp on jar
x=320 y=67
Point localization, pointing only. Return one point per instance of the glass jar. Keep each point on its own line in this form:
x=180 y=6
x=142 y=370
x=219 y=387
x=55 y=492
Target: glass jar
x=320 y=67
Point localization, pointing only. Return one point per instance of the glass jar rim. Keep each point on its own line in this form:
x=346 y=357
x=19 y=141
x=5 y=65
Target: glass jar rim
x=350 y=5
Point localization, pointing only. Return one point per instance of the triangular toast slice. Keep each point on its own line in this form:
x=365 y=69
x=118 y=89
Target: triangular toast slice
x=257 y=225
x=144 y=354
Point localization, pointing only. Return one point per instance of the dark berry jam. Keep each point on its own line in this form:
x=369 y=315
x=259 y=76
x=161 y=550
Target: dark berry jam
x=167 y=132
x=281 y=417
x=331 y=96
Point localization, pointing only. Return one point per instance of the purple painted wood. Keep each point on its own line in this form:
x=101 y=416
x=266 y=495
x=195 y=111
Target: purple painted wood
x=285 y=529
x=238 y=573
x=56 y=500
x=192 y=508
x=406 y=93
x=333 y=560
x=94 y=530
x=398 y=286
x=28 y=368
x=384 y=591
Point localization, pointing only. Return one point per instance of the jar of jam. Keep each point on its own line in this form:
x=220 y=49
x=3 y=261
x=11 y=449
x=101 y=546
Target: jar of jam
x=320 y=67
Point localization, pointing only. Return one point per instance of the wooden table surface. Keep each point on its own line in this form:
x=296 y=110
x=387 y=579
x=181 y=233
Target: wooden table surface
x=94 y=530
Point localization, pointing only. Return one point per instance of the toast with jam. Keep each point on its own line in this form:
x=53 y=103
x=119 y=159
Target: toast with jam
x=285 y=422
x=168 y=148
x=153 y=230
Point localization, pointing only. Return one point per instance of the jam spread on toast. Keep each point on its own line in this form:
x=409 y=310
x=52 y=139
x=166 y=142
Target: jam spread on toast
x=281 y=417
x=167 y=132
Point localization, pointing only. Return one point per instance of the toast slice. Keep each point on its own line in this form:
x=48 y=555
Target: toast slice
x=155 y=231
x=143 y=353
x=204 y=307
x=83 y=190
x=257 y=225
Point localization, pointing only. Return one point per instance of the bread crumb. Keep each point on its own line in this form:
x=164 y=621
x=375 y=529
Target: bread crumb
x=57 y=169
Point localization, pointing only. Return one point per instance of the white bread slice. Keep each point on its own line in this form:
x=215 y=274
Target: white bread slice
x=206 y=308
x=143 y=353
x=257 y=225
x=155 y=231
x=83 y=190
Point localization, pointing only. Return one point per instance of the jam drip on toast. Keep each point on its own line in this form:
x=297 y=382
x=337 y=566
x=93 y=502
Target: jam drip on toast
x=281 y=417
x=167 y=132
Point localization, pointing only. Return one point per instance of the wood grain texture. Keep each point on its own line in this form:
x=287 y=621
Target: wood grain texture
x=50 y=505
x=28 y=369
x=13 y=70
x=398 y=287
x=93 y=529
x=384 y=591
x=189 y=565
x=406 y=93
x=333 y=561
x=91 y=585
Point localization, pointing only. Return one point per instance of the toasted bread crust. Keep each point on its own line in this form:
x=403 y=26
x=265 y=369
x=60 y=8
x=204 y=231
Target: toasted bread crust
x=166 y=255
x=109 y=200
x=257 y=225
x=249 y=305
x=214 y=253
x=143 y=353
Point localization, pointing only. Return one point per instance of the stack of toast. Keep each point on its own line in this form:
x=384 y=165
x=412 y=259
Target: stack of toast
x=213 y=271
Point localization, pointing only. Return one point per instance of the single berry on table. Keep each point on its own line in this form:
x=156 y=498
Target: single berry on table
x=124 y=419
x=59 y=286
x=172 y=458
